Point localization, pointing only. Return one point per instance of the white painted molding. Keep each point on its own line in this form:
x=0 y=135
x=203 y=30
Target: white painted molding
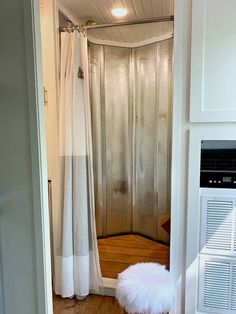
x=212 y=67
x=50 y=57
x=181 y=58
x=38 y=156
x=109 y=286
x=129 y=45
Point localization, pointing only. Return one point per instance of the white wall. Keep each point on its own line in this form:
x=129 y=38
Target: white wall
x=24 y=270
x=181 y=130
x=50 y=80
x=50 y=54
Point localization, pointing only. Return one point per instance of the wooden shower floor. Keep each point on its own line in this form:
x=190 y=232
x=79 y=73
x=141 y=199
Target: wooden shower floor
x=117 y=253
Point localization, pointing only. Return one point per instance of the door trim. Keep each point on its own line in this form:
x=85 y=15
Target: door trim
x=38 y=155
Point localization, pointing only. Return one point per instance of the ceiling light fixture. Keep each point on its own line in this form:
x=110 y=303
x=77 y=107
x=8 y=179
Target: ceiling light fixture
x=119 y=12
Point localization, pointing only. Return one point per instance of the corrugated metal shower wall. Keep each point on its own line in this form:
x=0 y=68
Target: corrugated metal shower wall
x=131 y=118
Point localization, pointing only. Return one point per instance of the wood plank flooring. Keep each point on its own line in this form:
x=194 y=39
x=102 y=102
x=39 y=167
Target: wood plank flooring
x=93 y=304
x=117 y=253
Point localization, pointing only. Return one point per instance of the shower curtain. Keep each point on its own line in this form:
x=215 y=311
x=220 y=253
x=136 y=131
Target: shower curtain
x=77 y=269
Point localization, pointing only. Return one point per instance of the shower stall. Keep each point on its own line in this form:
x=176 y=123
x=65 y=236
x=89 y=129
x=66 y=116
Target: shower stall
x=130 y=90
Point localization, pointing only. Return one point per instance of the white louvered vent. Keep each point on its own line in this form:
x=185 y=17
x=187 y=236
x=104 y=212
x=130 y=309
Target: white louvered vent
x=216 y=285
x=217 y=252
x=219 y=224
x=234 y=222
x=233 y=289
x=218 y=233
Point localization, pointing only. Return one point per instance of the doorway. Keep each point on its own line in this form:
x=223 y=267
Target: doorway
x=142 y=227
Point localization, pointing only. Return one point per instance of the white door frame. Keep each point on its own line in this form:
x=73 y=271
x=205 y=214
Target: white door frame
x=177 y=257
x=38 y=153
x=181 y=87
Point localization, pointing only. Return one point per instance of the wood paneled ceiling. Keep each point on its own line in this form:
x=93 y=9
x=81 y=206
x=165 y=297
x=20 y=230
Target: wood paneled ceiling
x=100 y=12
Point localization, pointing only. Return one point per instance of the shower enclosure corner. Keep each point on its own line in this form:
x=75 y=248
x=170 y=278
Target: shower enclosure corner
x=130 y=90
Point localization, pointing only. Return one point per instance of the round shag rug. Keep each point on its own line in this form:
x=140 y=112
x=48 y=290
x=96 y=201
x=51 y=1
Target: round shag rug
x=146 y=288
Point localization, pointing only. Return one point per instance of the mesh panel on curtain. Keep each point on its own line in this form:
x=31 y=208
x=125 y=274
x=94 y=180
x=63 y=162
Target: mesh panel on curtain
x=77 y=269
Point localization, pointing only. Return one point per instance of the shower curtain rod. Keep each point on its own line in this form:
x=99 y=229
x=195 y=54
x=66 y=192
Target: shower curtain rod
x=83 y=28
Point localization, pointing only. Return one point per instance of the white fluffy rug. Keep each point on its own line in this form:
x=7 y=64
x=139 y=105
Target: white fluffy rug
x=146 y=288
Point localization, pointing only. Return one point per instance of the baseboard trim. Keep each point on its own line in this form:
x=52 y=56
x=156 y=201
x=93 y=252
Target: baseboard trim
x=109 y=285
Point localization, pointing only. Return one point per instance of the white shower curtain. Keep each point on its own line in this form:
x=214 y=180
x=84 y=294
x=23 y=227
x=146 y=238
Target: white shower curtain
x=77 y=269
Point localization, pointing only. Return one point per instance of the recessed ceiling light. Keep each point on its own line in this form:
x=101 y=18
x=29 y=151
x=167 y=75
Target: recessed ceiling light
x=119 y=12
